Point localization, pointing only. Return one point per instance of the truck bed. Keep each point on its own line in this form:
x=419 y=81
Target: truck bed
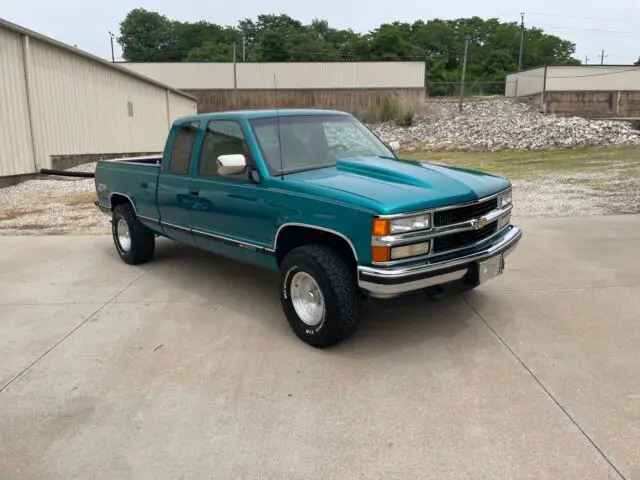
x=142 y=160
x=135 y=178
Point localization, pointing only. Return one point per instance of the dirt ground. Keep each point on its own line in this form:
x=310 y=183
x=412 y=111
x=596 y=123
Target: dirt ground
x=50 y=207
x=555 y=183
x=559 y=183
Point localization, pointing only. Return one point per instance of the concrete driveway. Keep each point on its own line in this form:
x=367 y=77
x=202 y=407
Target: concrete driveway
x=186 y=368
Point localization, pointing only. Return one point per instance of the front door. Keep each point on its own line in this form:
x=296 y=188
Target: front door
x=232 y=209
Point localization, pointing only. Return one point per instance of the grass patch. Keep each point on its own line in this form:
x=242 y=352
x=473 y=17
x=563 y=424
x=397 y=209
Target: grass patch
x=527 y=165
x=15 y=213
x=81 y=199
x=30 y=226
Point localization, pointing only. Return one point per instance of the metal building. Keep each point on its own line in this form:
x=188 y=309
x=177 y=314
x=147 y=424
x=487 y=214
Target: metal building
x=604 y=91
x=350 y=86
x=61 y=106
x=291 y=75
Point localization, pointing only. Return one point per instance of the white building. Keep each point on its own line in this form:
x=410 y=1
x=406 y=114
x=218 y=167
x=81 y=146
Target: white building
x=287 y=76
x=61 y=106
x=585 y=78
x=350 y=86
x=597 y=91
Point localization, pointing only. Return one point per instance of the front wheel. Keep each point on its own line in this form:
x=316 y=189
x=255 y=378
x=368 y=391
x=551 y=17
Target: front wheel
x=320 y=295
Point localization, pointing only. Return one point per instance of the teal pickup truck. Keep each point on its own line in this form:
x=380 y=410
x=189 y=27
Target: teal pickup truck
x=316 y=195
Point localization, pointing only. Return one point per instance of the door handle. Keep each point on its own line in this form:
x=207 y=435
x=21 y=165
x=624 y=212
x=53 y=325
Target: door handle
x=194 y=191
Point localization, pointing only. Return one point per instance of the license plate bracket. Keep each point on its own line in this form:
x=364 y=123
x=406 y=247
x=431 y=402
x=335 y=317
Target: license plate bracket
x=490 y=268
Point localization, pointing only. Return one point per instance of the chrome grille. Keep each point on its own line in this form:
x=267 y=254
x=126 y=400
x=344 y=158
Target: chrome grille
x=463 y=239
x=463 y=214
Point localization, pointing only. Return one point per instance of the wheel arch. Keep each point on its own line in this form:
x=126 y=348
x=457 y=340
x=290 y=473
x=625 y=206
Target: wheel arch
x=293 y=235
x=116 y=199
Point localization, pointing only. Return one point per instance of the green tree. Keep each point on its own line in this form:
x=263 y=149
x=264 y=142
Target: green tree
x=211 y=52
x=392 y=42
x=147 y=37
x=493 y=45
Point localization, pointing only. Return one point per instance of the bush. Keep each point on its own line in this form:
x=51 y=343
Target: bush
x=389 y=110
x=404 y=119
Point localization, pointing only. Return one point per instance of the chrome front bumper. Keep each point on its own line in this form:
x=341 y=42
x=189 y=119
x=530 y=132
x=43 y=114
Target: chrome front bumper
x=394 y=281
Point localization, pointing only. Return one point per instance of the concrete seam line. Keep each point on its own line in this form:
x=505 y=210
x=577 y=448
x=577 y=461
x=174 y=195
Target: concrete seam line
x=545 y=389
x=73 y=330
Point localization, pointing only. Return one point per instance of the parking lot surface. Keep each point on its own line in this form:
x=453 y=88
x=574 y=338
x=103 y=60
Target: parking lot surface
x=186 y=368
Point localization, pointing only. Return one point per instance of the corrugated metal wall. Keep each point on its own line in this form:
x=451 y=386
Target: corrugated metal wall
x=289 y=76
x=593 y=78
x=78 y=106
x=197 y=76
x=16 y=153
x=585 y=78
x=84 y=107
x=525 y=83
x=331 y=75
x=178 y=107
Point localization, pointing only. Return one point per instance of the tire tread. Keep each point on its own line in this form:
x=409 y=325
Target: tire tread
x=345 y=294
x=142 y=240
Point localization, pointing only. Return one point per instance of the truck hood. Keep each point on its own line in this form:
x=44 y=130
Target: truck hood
x=395 y=186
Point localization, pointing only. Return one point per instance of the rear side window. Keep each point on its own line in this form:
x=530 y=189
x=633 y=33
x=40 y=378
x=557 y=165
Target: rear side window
x=182 y=147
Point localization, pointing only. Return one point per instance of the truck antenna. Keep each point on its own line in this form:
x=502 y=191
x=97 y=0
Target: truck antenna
x=275 y=87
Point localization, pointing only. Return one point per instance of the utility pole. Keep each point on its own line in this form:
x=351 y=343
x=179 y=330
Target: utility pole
x=244 y=49
x=235 y=77
x=602 y=57
x=521 y=55
x=586 y=60
x=464 y=70
x=113 y=56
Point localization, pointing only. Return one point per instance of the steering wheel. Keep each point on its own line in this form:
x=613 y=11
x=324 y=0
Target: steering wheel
x=337 y=148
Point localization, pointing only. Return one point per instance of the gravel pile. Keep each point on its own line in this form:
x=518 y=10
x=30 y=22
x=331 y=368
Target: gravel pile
x=52 y=205
x=501 y=124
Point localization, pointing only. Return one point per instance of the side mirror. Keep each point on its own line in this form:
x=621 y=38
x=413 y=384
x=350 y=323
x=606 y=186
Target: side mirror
x=231 y=164
x=395 y=146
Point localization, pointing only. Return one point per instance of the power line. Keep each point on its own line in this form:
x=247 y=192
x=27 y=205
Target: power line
x=582 y=17
x=599 y=30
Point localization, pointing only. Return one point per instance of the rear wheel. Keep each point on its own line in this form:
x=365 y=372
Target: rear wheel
x=134 y=242
x=319 y=295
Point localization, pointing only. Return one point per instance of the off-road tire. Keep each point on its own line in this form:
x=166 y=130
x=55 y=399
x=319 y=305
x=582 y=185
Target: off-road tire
x=143 y=241
x=336 y=278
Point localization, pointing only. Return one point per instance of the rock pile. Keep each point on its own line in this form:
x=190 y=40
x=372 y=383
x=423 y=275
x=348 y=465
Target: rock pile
x=501 y=124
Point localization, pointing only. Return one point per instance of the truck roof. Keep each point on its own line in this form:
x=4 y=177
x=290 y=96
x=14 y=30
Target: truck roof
x=264 y=113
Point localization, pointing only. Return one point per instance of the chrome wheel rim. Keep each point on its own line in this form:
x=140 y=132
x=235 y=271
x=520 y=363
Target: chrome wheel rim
x=124 y=236
x=307 y=299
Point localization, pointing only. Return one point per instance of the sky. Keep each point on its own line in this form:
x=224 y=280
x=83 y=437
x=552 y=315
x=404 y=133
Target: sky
x=610 y=25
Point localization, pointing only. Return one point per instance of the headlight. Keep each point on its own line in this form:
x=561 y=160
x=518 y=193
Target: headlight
x=504 y=199
x=383 y=226
x=409 y=224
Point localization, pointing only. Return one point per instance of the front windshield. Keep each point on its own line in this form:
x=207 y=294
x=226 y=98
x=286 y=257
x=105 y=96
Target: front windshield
x=314 y=141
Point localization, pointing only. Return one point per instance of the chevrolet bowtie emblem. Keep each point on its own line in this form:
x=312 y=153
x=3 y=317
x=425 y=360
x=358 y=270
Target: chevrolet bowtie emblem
x=479 y=223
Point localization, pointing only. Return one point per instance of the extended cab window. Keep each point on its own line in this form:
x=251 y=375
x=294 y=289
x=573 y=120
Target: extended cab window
x=182 y=147
x=222 y=137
